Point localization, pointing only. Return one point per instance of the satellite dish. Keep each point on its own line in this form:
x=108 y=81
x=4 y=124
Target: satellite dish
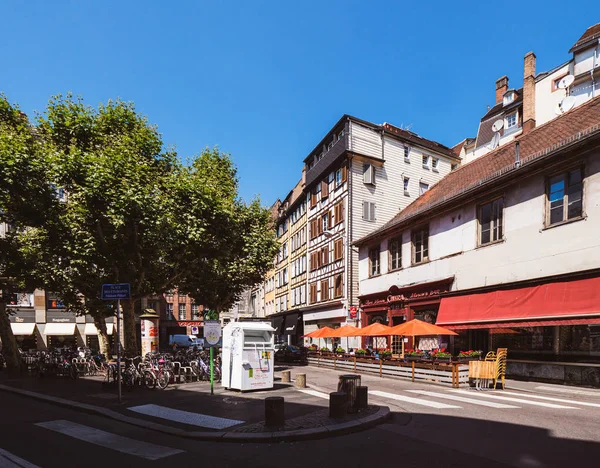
x=498 y=124
x=565 y=82
x=495 y=141
x=565 y=105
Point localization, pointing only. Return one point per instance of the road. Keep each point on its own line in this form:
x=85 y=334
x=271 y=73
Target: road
x=532 y=426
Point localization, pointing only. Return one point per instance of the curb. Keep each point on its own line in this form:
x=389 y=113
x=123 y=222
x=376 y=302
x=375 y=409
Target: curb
x=381 y=415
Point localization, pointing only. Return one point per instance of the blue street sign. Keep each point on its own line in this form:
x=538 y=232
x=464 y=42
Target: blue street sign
x=114 y=292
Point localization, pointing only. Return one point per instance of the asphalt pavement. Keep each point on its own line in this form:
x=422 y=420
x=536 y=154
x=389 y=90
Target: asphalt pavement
x=526 y=425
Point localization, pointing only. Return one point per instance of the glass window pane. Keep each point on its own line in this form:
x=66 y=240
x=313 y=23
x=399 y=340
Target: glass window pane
x=557 y=188
x=485 y=236
x=556 y=214
x=574 y=209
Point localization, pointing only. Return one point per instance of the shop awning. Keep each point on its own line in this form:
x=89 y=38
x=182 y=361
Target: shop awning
x=277 y=324
x=291 y=324
x=559 y=303
x=59 y=329
x=22 y=328
x=90 y=329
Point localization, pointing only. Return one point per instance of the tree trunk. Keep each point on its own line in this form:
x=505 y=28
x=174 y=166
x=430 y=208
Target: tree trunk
x=131 y=346
x=102 y=335
x=10 y=350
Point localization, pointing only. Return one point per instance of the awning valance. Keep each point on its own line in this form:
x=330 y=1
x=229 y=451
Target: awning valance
x=558 y=303
x=277 y=324
x=90 y=329
x=59 y=329
x=291 y=324
x=22 y=328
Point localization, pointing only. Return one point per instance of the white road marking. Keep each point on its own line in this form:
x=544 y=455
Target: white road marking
x=515 y=400
x=416 y=401
x=315 y=393
x=560 y=400
x=9 y=460
x=570 y=390
x=111 y=441
x=463 y=399
x=193 y=419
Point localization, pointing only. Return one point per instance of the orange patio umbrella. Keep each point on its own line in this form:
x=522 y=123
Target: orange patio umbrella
x=417 y=327
x=346 y=330
x=319 y=333
x=375 y=330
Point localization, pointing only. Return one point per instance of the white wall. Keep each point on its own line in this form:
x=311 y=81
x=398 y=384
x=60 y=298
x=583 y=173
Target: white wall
x=528 y=251
x=546 y=99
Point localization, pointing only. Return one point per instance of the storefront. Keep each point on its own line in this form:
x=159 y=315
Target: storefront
x=59 y=331
x=315 y=318
x=552 y=320
x=22 y=322
x=89 y=332
x=399 y=305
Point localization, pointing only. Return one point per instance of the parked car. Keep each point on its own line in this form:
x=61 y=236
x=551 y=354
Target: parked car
x=185 y=341
x=290 y=353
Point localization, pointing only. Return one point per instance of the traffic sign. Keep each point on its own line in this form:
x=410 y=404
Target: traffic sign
x=194 y=330
x=212 y=331
x=114 y=292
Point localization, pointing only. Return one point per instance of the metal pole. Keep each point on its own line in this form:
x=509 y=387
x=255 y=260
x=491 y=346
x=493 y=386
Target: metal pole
x=119 y=348
x=212 y=374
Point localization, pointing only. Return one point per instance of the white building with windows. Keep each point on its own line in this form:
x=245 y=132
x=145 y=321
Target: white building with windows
x=505 y=251
x=360 y=175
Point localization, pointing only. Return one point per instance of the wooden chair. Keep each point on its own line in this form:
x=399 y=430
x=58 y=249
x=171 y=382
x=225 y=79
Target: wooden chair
x=500 y=366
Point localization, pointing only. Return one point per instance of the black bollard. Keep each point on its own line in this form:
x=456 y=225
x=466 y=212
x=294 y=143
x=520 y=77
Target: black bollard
x=338 y=403
x=274 y=416
x=362 y=397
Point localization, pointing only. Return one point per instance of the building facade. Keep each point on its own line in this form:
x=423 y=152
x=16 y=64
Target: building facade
x=359 y=176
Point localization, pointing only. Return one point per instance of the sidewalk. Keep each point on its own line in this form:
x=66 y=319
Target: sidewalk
x=189 y=410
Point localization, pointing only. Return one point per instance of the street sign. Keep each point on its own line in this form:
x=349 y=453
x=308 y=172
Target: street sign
x=115 y=292
x=212 y=332
x=194 y=330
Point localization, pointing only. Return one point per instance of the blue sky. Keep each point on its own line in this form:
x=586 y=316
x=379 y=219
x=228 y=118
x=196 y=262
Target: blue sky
x=266 y=80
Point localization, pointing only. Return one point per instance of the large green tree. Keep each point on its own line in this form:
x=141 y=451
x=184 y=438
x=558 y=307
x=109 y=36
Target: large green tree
x=27 y=201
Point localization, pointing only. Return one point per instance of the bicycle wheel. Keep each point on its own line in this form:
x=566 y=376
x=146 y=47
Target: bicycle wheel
x=162 y=380
x=149 y=380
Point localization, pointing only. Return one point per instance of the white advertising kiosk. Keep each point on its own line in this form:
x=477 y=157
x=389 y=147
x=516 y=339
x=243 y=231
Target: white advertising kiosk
x=248 y=356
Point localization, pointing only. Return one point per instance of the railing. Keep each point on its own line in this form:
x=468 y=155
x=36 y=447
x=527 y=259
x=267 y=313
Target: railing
x=454 y=373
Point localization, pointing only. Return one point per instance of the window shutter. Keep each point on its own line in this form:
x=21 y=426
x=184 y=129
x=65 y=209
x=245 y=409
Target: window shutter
x=313 y=198
x=341 y=210
x=329 y=223
x=320 y=225
x=365 y=210
x=344 y=174
x=324 y=290
x=325 y=251
x=325 y=188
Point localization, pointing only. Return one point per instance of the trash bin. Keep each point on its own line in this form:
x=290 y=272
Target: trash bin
x=348 y=384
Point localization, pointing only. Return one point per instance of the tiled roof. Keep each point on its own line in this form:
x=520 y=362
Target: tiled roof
x=593 y=32
x=575 y=124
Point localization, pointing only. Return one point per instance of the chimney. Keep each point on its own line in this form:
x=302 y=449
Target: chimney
x=529 y=92
x=501 y=88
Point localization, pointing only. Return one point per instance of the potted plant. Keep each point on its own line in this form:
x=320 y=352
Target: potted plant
x=313 y=348
x=360 y=352
x=385 y=354
x=414 y=354
x=441 y=355
x=340 y=350
x=325 y=349
x=469 y=355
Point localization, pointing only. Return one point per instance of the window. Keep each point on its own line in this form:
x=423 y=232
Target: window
x=338 y=249
x=406 y=181
x=195 y=311
x=491 y=221
x=170 y=311
x=395 y=252
x=325 y=221
x=435 y=164
x=324 y=256
x=285 y=275
x=369 y=174
x=368 y=211
x=425 y=161
x=338 y=289
x=325 y=290
x=511 y=120
x=453 y=166
x=285 y=250
x=406 y=153
x=338 y=177
x=565 y=193
x=423 y=187
x=313 y=198
x=374 y=266
x=324 y=189
x=508 y=98
x=421 y=245
x=181 y=313
x=313 y=292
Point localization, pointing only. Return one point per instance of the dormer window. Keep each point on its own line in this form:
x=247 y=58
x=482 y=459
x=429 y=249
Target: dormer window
x=508 y=98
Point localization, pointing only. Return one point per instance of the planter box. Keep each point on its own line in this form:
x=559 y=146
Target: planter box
x=413 y=358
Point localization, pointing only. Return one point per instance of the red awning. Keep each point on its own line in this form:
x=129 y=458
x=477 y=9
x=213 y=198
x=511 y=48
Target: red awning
x=560 y=303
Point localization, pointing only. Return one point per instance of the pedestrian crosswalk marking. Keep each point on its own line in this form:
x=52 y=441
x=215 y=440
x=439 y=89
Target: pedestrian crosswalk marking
x=592 y=393
x=121 y=444
x=9 y=460
x=559 y=400
x=416 y=401
x=315 y=393
x=489 y=404
x=185 y=417
x=515 y=400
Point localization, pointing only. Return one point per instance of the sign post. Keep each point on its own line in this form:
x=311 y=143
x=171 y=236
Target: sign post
x=212 y=334
x=110 y=292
